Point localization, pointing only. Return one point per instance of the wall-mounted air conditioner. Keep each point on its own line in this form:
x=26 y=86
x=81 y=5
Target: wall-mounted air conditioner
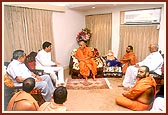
x=151 y=16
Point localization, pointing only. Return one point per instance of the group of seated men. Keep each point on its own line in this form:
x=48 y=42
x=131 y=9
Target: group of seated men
x=19 y=72
x=140 y=84
x=87 y=63
x=23 y=100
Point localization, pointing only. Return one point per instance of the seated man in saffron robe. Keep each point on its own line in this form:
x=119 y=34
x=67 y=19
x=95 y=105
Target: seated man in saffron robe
x=128 y=59
x=142 y=95
x=59 y=98
x=22 y=100
x=86 y=61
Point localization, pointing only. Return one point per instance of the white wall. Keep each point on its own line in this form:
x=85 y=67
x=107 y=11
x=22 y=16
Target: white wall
x=66 y=25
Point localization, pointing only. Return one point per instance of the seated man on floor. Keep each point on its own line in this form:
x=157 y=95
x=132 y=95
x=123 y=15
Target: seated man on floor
x=142 y=95
x=154 y=61
x=22 y=100
x=86 y=61
x=18 y=72
x=128 y=59
x=59 y=98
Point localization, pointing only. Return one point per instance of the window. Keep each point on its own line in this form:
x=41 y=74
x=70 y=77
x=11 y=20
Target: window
x=149 y=16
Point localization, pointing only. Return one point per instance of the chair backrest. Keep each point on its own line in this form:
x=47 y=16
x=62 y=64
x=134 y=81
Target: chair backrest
x=30 y=60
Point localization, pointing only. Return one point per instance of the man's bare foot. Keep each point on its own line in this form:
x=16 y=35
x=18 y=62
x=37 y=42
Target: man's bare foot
x=94 y=78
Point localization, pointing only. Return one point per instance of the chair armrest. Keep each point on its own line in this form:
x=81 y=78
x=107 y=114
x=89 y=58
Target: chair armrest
x=37 y=71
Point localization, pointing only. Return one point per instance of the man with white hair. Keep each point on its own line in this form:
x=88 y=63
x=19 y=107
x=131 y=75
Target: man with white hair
x=154 y=61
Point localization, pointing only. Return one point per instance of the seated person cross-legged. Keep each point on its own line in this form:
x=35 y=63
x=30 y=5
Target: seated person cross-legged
x=141 y=96
x=59 y=98
x=128 y=59
x=86 y=61
x=22 y=100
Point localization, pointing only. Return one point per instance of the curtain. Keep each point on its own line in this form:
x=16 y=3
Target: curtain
x=101 y=28
x=26 y=29
x=140 y=37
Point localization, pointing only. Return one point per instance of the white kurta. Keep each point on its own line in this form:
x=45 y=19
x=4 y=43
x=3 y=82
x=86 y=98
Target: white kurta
x=154 y=61
x=44 y=62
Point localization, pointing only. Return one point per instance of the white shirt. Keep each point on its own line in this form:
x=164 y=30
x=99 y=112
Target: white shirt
x=154 y=61
x=16 y=68
x=43 y=58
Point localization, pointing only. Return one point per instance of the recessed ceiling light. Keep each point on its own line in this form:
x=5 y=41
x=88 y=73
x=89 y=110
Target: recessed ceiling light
x=93 y=7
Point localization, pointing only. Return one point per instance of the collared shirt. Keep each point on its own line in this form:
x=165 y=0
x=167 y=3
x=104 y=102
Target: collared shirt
x=43 y=58
x=16 y=68
x=154 y=61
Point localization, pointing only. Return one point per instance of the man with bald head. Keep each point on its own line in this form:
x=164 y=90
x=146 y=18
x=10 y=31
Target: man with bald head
x=22 y=100
x=86 y=61
x=154 y=61
x=142 y=95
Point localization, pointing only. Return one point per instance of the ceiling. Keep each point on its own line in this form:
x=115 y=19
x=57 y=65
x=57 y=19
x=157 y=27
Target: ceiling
x=88 y=6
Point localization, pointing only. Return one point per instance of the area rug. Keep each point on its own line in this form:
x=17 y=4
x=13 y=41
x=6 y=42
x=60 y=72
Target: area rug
x=81 y=84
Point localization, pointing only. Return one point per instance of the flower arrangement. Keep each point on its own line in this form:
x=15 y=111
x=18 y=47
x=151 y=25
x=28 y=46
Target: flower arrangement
x=85 y=35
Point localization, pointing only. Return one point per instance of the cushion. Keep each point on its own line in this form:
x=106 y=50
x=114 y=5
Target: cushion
x=8 y=82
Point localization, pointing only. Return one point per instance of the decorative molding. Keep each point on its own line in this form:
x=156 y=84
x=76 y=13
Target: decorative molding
x=41 y=7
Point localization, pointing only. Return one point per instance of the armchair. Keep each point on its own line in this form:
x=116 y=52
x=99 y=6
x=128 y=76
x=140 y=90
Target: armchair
x=10 y=90
x=74 y=67
x=30 y=63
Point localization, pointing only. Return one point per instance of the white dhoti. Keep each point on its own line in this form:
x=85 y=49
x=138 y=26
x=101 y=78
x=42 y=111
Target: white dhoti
x=130 y=76
x=159 y=104
x=46 y=87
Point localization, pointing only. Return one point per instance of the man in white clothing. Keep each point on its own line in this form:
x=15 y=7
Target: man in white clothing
x=19 y=72
x=44 y=62
x=159 y=104
x=154 y=61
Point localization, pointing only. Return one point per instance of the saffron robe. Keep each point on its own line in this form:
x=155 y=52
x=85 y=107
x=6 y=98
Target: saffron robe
x=86 y=65
x=51 y=106
x=140 y=87
x=18 y=98
x=125 y=64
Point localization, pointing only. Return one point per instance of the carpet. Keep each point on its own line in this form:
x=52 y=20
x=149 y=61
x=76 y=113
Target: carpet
x=82 y=84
